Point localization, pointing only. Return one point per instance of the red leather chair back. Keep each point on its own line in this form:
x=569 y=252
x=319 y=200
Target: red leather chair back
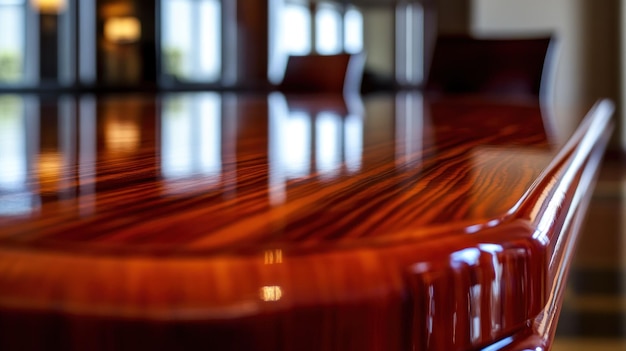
x=340 y=73
x=462 y=64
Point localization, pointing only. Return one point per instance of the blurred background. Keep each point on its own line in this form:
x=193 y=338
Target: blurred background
x=243 y=45
x=591 y=40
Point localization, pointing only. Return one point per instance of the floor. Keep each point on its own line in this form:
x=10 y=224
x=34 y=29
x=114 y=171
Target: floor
x=593 y=317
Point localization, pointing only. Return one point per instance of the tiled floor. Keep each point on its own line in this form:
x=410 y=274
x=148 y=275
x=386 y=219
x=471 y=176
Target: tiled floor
x=593 y=317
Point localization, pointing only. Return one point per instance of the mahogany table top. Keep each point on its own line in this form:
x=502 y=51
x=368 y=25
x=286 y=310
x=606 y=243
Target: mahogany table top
x=266 y=222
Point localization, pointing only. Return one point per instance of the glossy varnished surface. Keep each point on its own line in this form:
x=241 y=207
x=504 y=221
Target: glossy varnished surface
x=262 y=175
x=256 y=222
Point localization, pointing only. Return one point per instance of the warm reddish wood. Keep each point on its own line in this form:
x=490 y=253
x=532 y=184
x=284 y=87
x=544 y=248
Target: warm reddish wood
x=446 y=226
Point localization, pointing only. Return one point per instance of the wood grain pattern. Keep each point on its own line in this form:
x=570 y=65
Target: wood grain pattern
x=241 y=222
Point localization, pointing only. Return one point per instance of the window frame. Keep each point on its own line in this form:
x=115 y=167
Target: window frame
x=227 y=56
x=66 y=37
x=30 y=28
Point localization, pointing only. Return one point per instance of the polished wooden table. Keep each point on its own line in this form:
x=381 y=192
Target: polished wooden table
x=260 y=222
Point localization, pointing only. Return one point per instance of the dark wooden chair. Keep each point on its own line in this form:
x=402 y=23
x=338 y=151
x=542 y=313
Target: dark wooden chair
x=340 y=73
x=506 y=67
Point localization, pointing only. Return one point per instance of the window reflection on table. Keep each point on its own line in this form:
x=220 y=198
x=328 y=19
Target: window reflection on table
x=409 y=127
x=76 y=147
x=14 y=195
x=323 y=140
x=191 y=139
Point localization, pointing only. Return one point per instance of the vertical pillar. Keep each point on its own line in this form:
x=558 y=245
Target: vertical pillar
x=229 y=42
x=252 y=43
x=313 y=27
x=147 y=45
x=621 y=113
x=48 y=47
x=86 y=39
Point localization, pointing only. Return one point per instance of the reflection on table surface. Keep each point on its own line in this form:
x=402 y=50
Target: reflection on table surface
x=204 y=212
x=73 y=157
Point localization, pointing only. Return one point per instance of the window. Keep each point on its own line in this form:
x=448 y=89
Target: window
x=353 y=31
x=36 y=45
x=191 y=45
x=335 y=28
x=12 y=20
x=295 y=30
x=328 y=29
x=290 y=34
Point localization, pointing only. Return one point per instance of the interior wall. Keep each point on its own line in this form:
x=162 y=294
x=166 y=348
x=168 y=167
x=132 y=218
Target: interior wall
x=453 y=16
x=252 y=48
x=379 y=42
x=622 y=58
x=448 y=16
x=587 y=43
x=559 y=17
x=601 y=58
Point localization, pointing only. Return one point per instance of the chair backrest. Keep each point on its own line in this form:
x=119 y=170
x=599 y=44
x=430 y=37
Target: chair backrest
x=463 y=64
x=340 y=73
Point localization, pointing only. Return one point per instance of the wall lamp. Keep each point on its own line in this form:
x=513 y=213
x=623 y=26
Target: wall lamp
x=122 y=30
x=50 y=7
